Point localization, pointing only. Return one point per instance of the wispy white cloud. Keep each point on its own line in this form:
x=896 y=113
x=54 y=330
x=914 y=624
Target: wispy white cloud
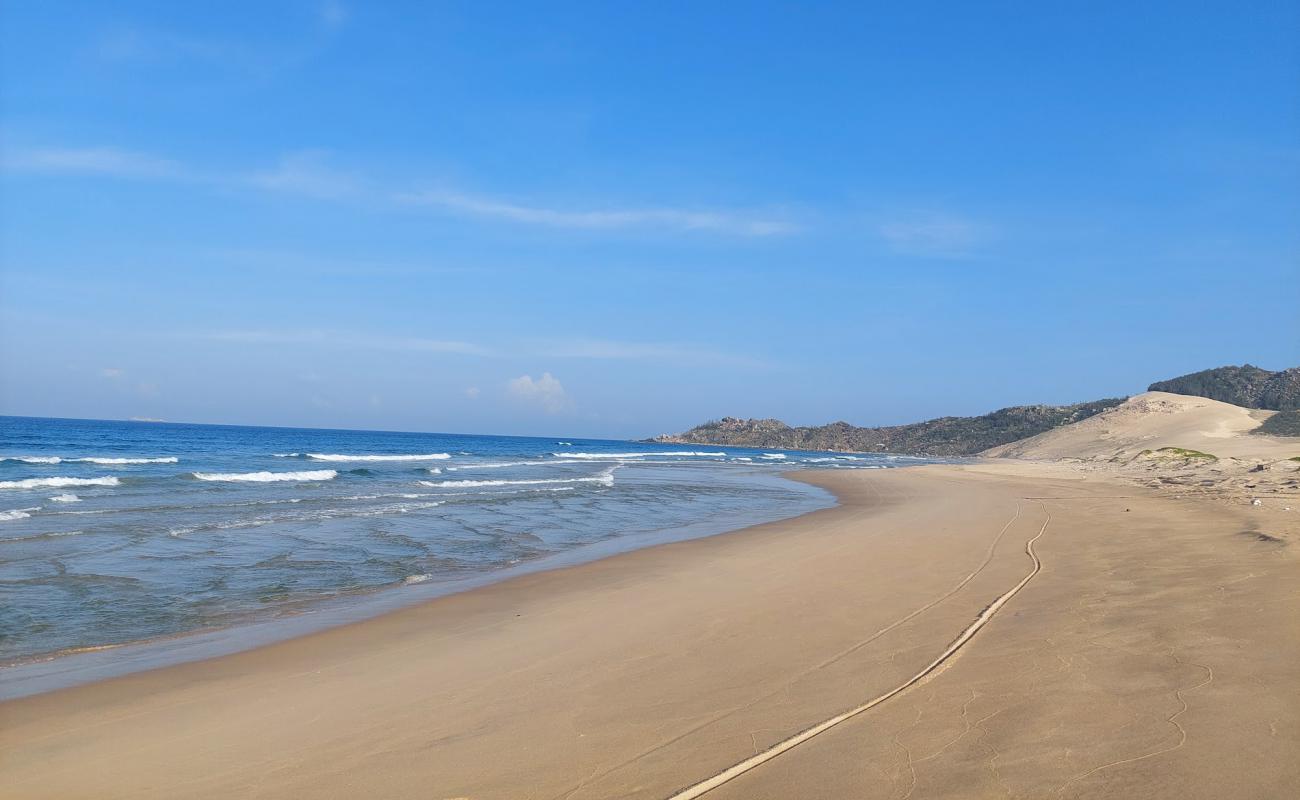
x=678 y=354
x=349 y=340
x=666 y=218
x=546 y=391
x=109 y=161
x=934 y=235
x=308 y=173
x=305 y=173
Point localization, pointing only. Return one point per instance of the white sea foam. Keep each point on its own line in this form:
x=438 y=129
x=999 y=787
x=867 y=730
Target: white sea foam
x=65 y=498
x=410 y=579
x=347 y=457
x=530 y=490
x=606 y=479
x=599 y=456
x=501 y=464
x=58 y=482
x=49 y=535
x=304 y=516
x=269 y=477
x=433 y=471
x=17 y=513
x=774 y=456
x=112 y=460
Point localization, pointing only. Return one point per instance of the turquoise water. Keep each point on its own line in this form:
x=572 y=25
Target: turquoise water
x=114 y=532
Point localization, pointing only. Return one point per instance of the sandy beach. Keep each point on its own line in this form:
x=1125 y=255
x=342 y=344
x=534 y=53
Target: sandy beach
x=576 y=401
x=1155 y=654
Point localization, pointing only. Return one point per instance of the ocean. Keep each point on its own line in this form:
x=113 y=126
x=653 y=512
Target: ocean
x=118 y=532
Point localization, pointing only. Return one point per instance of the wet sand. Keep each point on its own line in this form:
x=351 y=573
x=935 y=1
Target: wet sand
x=1155 y=654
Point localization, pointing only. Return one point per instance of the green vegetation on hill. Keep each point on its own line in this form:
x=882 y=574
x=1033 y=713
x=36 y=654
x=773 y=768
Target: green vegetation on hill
x=1247 y=385
x=946 y=436
x=1177 y=452
x=1283 y=423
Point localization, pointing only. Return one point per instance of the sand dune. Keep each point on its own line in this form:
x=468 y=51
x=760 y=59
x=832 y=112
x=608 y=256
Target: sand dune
x=1155 y=420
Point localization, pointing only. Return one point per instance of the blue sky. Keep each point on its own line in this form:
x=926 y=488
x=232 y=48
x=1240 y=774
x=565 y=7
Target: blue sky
x=611 y=219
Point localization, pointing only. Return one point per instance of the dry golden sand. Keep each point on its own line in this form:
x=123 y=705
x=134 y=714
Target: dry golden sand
x=1184 y=446
x=1156 y=654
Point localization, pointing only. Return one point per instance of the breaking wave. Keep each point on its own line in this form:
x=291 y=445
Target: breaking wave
x=600 y=456
x=17 y=513
x=499 y=464
x=65 y=498
x=58 y=482
x=347 y=457
x=606 y=479
x=268 y=477
x=50 y=535
x=112 y=460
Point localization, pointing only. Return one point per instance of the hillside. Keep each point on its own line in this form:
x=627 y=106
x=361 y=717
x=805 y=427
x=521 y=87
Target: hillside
x=946 y=436
x=1283 y=423
x=1158 y=425
x=1247 y=386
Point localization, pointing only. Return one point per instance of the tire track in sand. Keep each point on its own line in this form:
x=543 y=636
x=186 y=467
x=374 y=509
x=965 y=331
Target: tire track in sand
x=736 y=770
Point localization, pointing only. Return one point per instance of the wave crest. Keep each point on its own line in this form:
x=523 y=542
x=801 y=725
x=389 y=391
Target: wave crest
x=598 y=456
x=110 y=460
x=606 y=479
x=269 y=477
x=376 y=457
x=114 y=460
x=58 y=482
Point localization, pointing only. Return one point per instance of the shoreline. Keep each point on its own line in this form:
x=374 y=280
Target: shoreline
x=650 y=671
x=46 y=672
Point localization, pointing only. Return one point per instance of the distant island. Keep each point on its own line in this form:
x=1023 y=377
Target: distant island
x=1247 y=386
